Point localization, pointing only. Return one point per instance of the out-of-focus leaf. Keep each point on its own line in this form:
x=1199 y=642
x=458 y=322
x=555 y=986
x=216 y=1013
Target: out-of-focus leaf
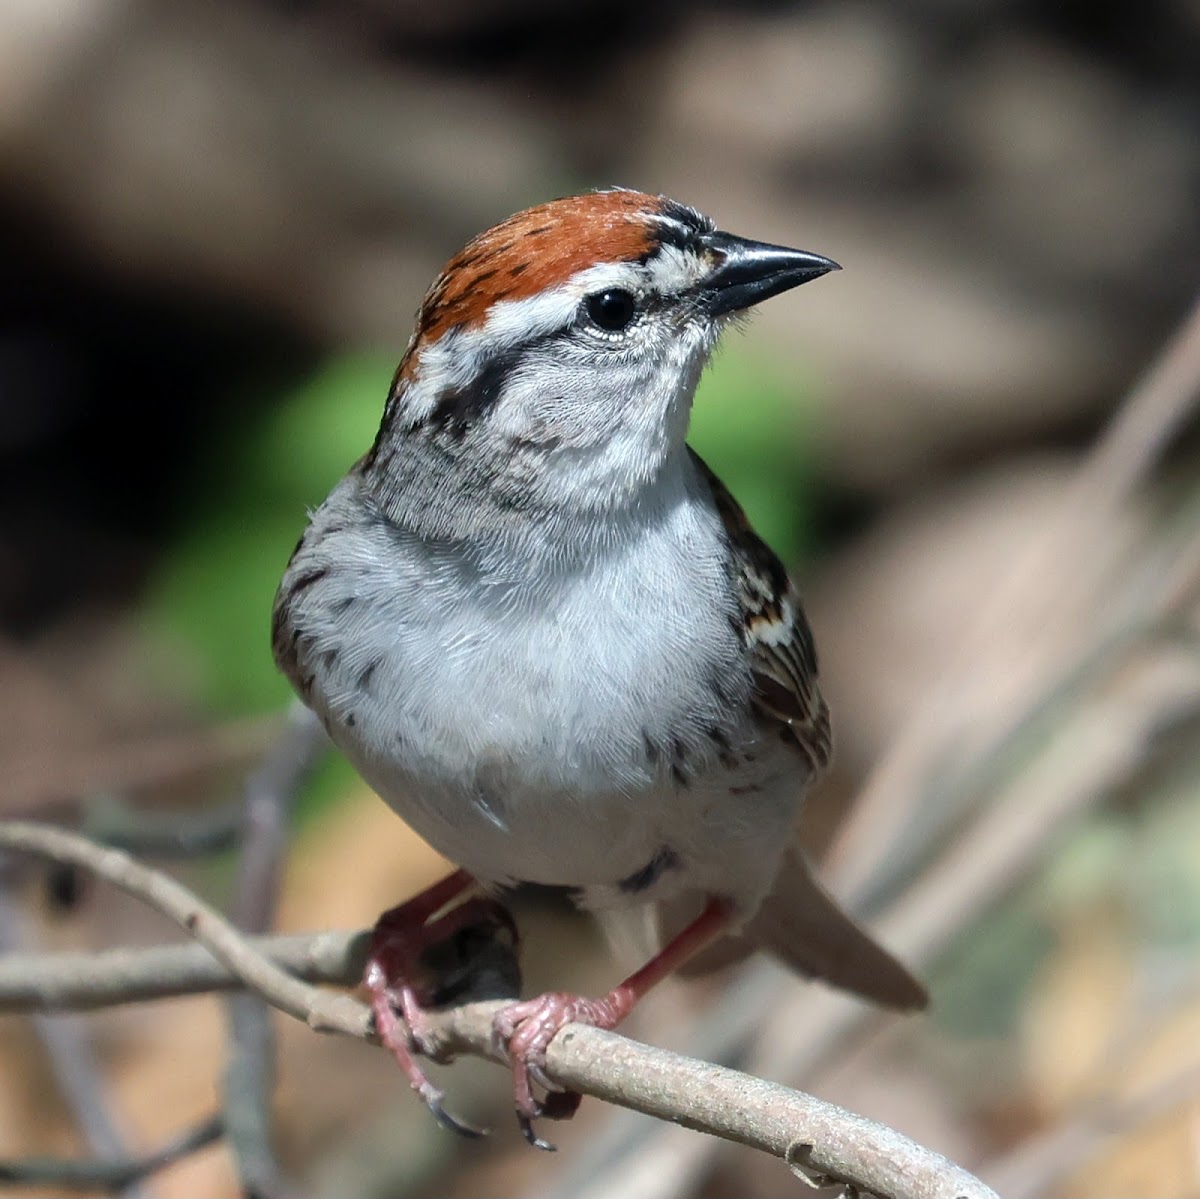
x=210 y=606
x=214 y=592
x=982 y=982
x=754 y=426
x=309 y=442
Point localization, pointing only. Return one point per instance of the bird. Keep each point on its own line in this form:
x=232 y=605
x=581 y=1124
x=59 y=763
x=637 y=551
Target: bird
x=545 y=633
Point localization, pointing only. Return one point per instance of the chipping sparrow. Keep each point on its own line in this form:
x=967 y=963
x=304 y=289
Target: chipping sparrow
x=545 y=633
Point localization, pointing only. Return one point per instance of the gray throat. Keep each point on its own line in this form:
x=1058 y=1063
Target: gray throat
x=472 y=490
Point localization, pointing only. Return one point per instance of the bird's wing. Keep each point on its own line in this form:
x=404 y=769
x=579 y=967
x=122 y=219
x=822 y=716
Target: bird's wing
x=798 y=921
x=776 y=634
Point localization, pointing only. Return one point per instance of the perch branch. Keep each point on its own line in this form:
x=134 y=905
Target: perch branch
x=818 y=1141
x=322 y=1011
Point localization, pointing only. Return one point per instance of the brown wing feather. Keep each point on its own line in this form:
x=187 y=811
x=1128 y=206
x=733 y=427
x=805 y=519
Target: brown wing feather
x=776 y=633
x=798 y=921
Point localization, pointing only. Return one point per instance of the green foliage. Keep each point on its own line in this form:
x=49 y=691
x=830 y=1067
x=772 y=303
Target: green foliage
x=981 y=984
x=213 y=596
x=211 y=604
x=1161 y=869
x=753 y=426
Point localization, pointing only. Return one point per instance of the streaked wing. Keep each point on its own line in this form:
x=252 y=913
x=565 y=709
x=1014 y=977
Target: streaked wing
x=777 y=636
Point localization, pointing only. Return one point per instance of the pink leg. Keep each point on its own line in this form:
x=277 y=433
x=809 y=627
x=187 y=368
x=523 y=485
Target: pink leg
x=394 y=969
x=528 y=1028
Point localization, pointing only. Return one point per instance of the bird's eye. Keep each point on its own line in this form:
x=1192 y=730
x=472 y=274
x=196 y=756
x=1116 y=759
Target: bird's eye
x=611 y=310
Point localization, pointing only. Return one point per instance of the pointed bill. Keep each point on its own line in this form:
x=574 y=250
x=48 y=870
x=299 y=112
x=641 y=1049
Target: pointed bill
x=748 y=272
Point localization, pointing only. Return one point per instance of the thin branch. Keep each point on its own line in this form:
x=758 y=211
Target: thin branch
x=819 y=1141
x=170 y=835
x=1039 y=1165
x=321 y=1010
x=115 y=1174
x=1141 y=614
x=1149 y=418
x=270 y=796
x=111 y=820
x=72 y=1060
x=896 y=788
x=81 y=982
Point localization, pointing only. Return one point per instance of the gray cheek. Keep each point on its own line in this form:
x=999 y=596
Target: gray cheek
x=567 y=404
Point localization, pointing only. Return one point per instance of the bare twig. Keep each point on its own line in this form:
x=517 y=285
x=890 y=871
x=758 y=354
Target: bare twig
x=72 y=1061
x=270 y=796
x=173 y=835
x=113 y=1174
x=319 y=1009
x=86 y=981
x=1143 y=425
x=818 y=1140
x=1037 y=1167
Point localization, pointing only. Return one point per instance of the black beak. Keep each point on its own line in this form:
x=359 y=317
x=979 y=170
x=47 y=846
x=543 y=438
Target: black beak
x=746 y=272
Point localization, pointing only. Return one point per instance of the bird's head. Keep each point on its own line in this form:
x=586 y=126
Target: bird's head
x=556 y=355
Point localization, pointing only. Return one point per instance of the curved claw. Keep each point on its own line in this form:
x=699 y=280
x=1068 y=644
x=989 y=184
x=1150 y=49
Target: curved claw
x=526 y=1029
x=397 y=978
x=434 y=1100
x=540 y=1077
x=525 y=1123
x=558 y=1105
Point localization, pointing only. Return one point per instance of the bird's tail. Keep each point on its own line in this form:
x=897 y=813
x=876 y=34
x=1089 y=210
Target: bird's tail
x=804 y=926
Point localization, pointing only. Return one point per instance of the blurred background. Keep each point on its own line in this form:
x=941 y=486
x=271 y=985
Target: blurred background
x=217 y=219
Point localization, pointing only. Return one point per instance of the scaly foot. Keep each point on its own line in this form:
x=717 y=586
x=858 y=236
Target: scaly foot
x=402 y=981
x=526 y=1030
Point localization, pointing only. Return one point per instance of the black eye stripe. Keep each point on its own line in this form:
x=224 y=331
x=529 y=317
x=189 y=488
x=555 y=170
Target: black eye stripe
x=458 y=408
